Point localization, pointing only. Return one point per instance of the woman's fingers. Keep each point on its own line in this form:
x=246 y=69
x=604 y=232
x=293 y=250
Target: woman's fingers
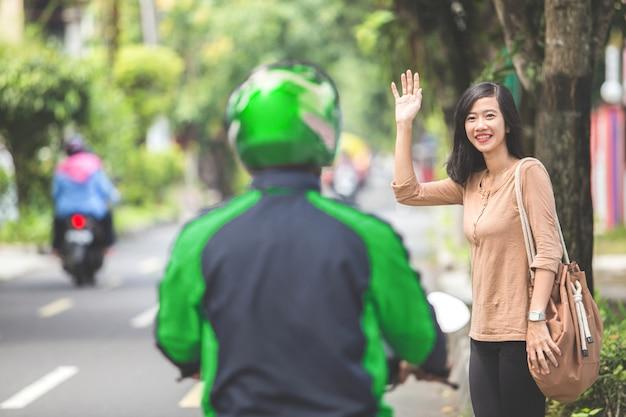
x=543 y=363
x=394 y=90
x=532 y=357
x=538 y=361
x=542 y=357
x=410 y=84
x=409 y=81
x=553 y=346
x=548 y=352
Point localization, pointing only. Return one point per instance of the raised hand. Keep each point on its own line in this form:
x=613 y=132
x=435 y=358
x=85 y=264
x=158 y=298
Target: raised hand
x=409 y=103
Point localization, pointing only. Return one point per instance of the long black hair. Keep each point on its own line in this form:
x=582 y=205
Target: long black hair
x=465 y=158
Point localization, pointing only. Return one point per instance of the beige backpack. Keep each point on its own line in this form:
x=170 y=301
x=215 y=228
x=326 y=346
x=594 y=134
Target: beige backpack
x=572 y=317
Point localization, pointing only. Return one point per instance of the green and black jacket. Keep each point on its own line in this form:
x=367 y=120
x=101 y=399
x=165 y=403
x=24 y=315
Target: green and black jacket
x=287 y=302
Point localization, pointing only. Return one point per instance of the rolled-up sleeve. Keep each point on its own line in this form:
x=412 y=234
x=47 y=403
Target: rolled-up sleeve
x=434 y=193
x=541 y=209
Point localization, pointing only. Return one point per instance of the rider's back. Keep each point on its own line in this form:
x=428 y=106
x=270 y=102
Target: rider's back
x=80 y=185
x=289 y=292
x=280 y=299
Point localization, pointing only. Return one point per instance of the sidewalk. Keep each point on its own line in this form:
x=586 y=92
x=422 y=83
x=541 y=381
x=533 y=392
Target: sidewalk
x=19 y=260
x=610 y=276
x=609 y=270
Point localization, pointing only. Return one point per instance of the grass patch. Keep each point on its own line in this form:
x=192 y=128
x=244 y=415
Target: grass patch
x=611 y=242
x=131 y=218
x=32 y=227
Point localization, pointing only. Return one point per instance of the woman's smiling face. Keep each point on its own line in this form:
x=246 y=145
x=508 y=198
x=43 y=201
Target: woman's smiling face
x=484 y=125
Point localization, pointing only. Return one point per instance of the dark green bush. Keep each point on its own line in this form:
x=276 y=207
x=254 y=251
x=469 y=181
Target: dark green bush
x=148 y=76
x=147 y=176
x=41 y=90
x=5 y=181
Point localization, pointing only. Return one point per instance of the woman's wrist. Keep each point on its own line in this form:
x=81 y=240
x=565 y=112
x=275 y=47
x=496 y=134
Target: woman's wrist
x=406 y=124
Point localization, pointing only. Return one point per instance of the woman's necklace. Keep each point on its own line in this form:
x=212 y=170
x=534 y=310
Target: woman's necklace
x=487 y=189
x=485 y=192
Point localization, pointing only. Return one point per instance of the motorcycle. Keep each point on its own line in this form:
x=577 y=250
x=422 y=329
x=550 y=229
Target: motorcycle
x=452 y=316
x=346 y=182
x=82 y=253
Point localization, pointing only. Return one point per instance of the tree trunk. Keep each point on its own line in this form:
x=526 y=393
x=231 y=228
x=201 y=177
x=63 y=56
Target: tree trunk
x=522 y=31
x=563 y=124
x=111 y=29
x=575 y=35
x=528 y=114
x=521 y=40
x=216 y=166
x=33 y=187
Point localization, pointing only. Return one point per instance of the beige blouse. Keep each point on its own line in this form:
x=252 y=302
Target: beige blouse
x=491 y=222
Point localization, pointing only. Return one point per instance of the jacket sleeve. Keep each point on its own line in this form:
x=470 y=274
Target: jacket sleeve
x=179 y=319
x=541 y=209
x=406 y=318
x=106 y=188
x=434 y=193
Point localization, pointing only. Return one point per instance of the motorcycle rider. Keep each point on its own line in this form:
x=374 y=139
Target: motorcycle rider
x=80 y=185
x=283 y=301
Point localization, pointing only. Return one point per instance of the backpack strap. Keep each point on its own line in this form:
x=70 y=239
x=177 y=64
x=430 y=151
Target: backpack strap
x=526 y=229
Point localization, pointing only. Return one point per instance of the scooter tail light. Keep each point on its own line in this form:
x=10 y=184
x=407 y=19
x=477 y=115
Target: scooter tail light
x=78 y=221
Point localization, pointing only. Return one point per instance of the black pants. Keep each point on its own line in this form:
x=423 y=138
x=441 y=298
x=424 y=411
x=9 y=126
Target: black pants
x=500 y=382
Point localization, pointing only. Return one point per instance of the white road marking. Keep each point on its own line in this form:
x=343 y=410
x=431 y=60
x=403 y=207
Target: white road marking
x=150 y=265
x=56 y=307
x=146 y=318
x=194 y=397
x=39 y=388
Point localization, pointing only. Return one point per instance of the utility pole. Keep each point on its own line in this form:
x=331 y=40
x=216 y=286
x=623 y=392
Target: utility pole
x=11 y=20
x=149 y=22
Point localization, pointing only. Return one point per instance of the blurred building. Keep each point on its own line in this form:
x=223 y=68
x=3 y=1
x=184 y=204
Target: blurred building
x=73 y=22
x=11 y=20
x=65 y=21
x=608 y=143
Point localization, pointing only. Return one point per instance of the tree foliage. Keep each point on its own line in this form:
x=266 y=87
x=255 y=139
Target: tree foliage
x=148 y=76
x=40 y=91
x=449 y=43
x=220 y=47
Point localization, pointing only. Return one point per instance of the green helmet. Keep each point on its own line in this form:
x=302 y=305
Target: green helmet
x=285 y=114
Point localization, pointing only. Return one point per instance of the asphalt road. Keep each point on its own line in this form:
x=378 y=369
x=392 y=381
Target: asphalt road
x=90 y=352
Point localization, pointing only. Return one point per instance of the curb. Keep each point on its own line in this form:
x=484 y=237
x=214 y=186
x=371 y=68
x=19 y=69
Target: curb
x=16 y=261
x=20 y=259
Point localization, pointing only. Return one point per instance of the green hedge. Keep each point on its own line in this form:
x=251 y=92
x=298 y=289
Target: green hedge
x=5 y=181
x=146 y=176
x=32 y=227
x=148 y=76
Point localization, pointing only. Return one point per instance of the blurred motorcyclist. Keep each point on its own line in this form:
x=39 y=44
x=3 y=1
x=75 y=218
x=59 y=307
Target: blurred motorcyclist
x=283 y=301
x=80 y=185
x=349 y=173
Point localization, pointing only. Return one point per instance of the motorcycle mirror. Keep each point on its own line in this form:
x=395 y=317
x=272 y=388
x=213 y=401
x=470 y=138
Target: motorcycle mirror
x=452 y=313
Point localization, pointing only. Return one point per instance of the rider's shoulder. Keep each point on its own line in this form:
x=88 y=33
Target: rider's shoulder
x=214 y=212
x=367 y=223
